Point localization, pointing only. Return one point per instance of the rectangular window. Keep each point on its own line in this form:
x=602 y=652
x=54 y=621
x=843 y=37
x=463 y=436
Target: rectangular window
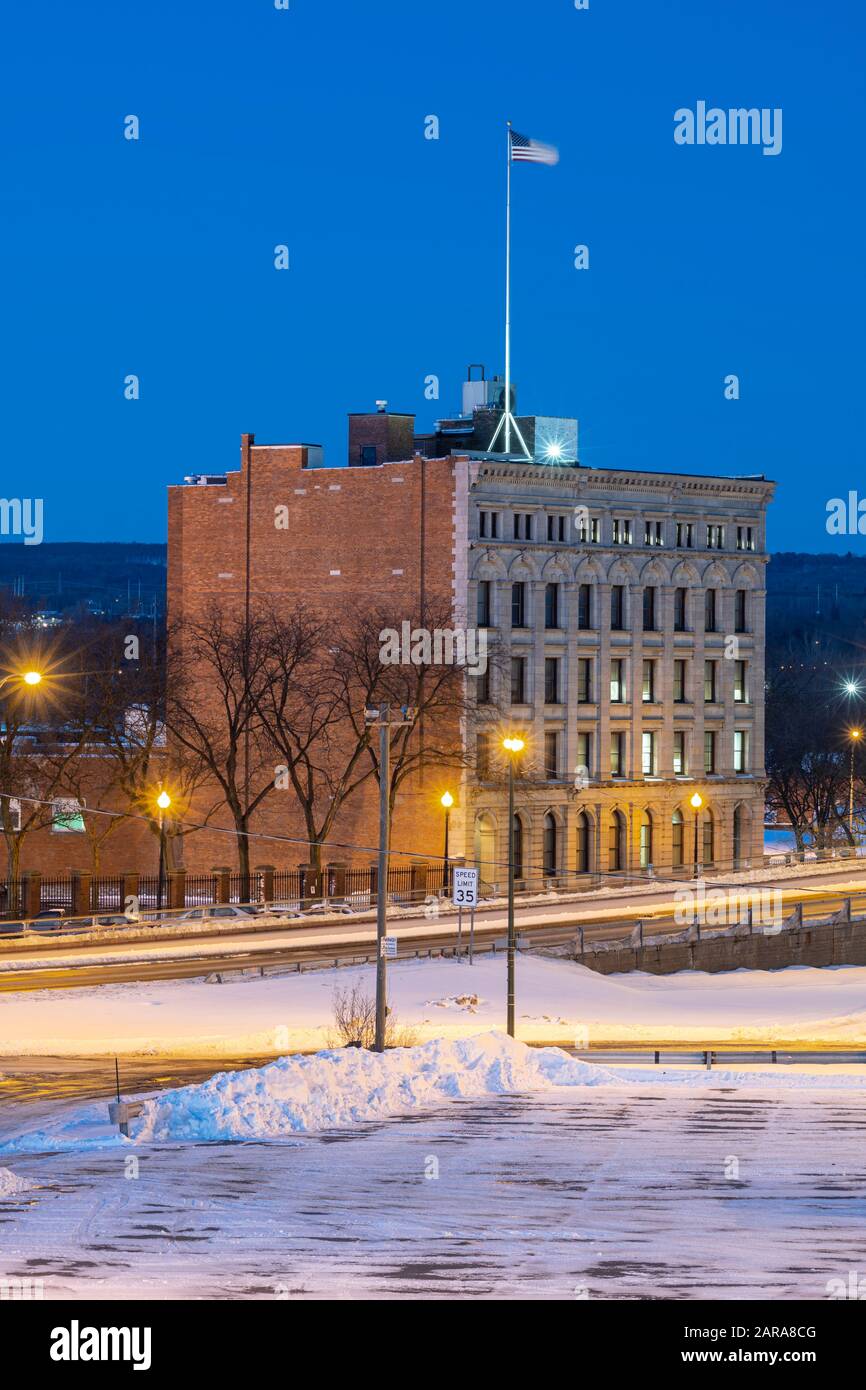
x=522 y=526
x=648 y=755
x=584 y=606
x=617 y=742
x=584 y=680
x=66 y=816
x=551 y=605
x=584 y=752
x=588 y=530
x=649 y=608
x=709 y=682
x=621 y=531
x=741 y=750
x=653 y=533
x=518 y=680
x=368 y=455
x=488 y=525
x=679 y=682
x=745 y=538
x=482 y=618
x=551 y=756
x=710 y=610
x=680 y=610
x=740 y=614
x=556 y=528
x=709 y=752
x=551 y=680
x=482 y=755
x=740 y=695
x=679 y=753
x=617 y=681
x=685 y=535
x=648 y=693
x=715 y=538
x=518 y=605
x=617 y=607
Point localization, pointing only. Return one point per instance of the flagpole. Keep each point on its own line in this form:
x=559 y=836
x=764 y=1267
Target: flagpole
x=508 y=287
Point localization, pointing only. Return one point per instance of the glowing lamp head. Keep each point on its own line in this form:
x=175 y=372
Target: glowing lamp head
x=163 y=801
x=513 y=744
x=447 y=800
x=697 y=801
x=856 y=733
x=553 y=452
x=851 y=687
x=32 y=677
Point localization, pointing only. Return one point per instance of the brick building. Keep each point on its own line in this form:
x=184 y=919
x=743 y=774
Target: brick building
x=629 y=605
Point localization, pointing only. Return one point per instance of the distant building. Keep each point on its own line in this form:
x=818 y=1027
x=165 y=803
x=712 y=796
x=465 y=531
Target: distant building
x=629 y=606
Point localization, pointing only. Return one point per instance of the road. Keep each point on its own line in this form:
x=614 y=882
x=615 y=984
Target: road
x=57 y=965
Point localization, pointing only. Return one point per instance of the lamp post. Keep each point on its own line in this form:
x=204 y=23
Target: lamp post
x=163 y=801
x=513 y=746
x=697 y=802
x=30 y=678
x=854 y=735
x=447 y=801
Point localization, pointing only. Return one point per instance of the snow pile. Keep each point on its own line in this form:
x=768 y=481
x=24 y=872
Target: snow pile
x=333 y=1089
x=11 y=1185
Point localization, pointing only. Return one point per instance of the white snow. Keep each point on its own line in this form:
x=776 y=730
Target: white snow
x=558 y=1001
x=11 y=1184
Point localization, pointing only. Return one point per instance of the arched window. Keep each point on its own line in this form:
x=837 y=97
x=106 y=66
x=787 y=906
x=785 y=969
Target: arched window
x=616 y=843
x=677 y=839
x=646 y=840
x=741 y=857
x=550 y=846
x=708 y=839
x=584 y=844
x=485 y=850
x=517 y=846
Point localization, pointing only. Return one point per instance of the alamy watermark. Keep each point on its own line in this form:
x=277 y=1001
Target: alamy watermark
x=737 y=126
x=760 y=907
x=441 y=646
x=22 y=516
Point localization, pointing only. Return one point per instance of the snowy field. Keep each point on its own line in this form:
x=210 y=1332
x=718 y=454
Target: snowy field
x=557 y=1001
x=476 y=1169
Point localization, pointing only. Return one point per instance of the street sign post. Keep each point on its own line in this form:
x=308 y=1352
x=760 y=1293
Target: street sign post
x=464 y=887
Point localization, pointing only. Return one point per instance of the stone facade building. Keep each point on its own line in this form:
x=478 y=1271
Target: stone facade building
x=632 y=607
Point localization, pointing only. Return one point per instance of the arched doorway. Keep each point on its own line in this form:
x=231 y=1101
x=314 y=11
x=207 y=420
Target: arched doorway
x=584 y=844
x=485 y=851
x=646 y=840
x=550 y=847
x=616 y=843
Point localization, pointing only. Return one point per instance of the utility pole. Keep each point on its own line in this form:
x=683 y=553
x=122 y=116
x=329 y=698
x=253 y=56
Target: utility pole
x=380 y=717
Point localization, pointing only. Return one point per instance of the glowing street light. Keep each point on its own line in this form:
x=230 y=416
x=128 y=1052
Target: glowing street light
x=32 y=677
x=514 y=746
x=163 y=801
x=446 y=800
x=854 y=736
x=851 y=687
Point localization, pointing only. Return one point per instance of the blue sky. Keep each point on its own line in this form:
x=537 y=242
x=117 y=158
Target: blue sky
x=306 y=127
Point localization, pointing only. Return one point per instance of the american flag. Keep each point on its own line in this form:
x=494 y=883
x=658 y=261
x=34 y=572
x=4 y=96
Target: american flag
x=532 y=150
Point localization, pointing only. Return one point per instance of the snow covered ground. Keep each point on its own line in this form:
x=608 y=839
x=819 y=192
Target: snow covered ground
x=557 y=1001
x=473 y=1169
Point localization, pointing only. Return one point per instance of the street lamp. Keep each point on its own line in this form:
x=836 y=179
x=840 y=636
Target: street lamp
x=163 y=801
x=697 y=802
x=447 y=801
x=854 y=735
x=26 y=678
x=513 y=746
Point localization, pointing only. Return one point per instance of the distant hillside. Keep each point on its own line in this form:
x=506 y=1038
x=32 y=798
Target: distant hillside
x=116 y=578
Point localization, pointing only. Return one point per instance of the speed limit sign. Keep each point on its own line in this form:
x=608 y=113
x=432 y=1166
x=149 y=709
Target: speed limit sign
x=464 y=892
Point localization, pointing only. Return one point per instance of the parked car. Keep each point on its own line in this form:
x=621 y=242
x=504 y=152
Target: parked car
x=11 y=928
x=217 y=910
